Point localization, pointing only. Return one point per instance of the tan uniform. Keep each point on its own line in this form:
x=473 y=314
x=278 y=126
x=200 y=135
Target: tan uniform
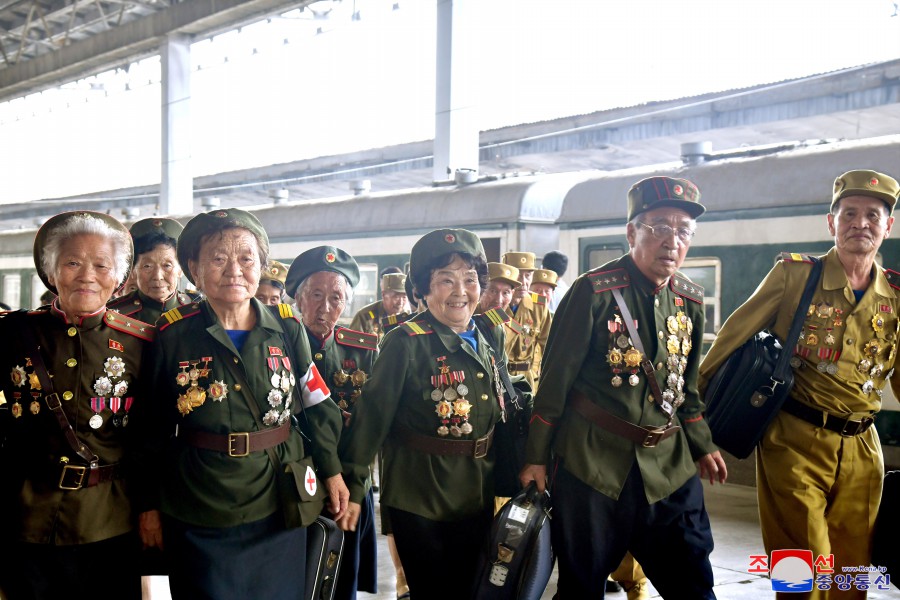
x=526 y=336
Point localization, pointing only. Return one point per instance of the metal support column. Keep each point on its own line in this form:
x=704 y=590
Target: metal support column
x=176 y=194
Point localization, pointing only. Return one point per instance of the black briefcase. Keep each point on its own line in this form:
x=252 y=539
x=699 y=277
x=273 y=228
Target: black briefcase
x=742 y=397
x=518 y=560
x=324 y=548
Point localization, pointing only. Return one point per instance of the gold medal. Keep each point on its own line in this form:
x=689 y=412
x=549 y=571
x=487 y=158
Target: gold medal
x=689 y=325
x=632 y=357
x=358 y=378
x=686 y=346
x=462 y=407
x=811 y=310
x=673 y=345
x=443 y=409
x=341 y=377
x=878 y=323
x=184 y=405
x=34 y=407
x=872 y=348
x=682 y=320
x=33 y=381
x=342 y=404
x=614 y=357
x=824 y=310
x=196 y=396
x=672 y=324
x=16 y=410
x=812 y=339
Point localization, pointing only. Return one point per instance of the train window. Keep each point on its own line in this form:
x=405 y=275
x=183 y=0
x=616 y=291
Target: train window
x=12 y=286
x=708 y=273
x=367 y=291
x=601 y=254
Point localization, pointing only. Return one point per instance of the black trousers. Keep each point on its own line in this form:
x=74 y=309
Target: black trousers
x=671 y=538
x=440 y=558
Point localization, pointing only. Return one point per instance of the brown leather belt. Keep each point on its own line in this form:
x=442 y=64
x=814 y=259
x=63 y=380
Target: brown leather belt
x=519 y=366
x=648 y=437
x=75 y=477
x=819 y=418
x=432 y=445
x=240 y=443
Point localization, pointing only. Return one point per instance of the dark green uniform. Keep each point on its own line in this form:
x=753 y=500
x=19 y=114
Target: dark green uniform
x=144 y=308
x=345 y=360
x=212 y=489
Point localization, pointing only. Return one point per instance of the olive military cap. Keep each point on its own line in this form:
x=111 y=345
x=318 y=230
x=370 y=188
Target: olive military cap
x=212 y=222
x=275 y=274
x=40 y=240
x=156 y=225
x=321 y=258
x=505 y=273
x=523 y=261
x=656 y=192
x=394 y=282
x=441 y=242
x=866 y=183
x=545 y=276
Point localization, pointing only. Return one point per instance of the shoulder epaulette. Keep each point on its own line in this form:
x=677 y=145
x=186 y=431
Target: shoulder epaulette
x=893 y=278
x=286 y=311
x=794 y=257
x=538 y=299
x=390 y=320
x=496 y=316
x=371 y=314
x=357 y=339
x=138 y=329
x=416 y=327
x=686 y=288
x=176 y=314
x=125 y=305
x=186 y=298
x=607 y=280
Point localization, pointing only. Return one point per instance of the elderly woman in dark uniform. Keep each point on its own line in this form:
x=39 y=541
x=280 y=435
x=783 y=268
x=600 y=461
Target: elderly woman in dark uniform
x=70 y=371
x=156 y=271
x=432 y=401
x=237 y=484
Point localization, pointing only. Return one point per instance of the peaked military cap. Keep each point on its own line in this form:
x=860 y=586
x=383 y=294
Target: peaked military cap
x=503 y=272
x=275 y=274
x=40 y=240
x=656 y=192
x=394 y=282
x=545 y=276
x=156 y=225
x=321 y=258
x=523 y=261
x=212 y=222
x=863 y=182
x=441 y=242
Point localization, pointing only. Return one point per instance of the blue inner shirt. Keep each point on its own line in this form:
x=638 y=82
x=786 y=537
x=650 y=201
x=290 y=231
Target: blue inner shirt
x=470 y=337
x=238 y=337
x=858 y=294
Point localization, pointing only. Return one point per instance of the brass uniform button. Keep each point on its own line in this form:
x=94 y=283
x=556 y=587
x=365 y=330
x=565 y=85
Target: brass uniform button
x=67 y=395
x=72 y=331
x=237 y=387
x=235 y=359
x=661 y=335
x=71 y=362
x=318 y=356
x=659 y=366
x=484 y=396
x=849 y=341
x=656 y=302
x=479 y=375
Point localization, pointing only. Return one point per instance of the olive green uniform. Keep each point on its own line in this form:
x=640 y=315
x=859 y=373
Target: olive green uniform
x=143 y=308
x=345 y=360
x=817 y=489
x=526 y=337
x=373 y=319
x=212 y=489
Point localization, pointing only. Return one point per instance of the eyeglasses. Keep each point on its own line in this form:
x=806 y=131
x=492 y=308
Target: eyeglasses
x=664 y=232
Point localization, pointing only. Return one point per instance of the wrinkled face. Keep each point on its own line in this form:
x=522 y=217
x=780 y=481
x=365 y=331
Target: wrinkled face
x=157 y=272
x=394 y=302
x=268 y=294
x=542 y=289
x=84 y=278
x=453 y=294
x=322 y=299
x=659 y=257
x=524 y=278
x=859 y=225
x=497 y=294
x=228 y=267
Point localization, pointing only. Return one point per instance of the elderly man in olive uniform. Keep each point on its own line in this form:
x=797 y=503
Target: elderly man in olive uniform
x=386 y=313
x=321 y=281
x=531 y=318
x=618 y=406
x=503 y=280
x=543 y=283
x=819 y=465
x=271 y=283
x=156 y=271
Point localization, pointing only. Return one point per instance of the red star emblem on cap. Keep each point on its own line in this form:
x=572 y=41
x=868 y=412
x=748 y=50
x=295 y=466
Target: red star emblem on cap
x=330 y=257
x=221 y=213
x=678 y=190
x=873 y=181
x=449 y=238
x=157 y=223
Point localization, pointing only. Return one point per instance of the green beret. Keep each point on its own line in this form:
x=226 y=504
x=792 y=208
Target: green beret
x=656 y=192
x=321 y=258
x=274 y=274
x=441 y=242
x=40 y=240
x=212 y=222
x=156 y=226
x=866 y=183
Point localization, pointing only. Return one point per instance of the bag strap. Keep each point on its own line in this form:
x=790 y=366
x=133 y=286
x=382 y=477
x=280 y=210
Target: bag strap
x=783 y=364
x=502 y=378
x=33 y=352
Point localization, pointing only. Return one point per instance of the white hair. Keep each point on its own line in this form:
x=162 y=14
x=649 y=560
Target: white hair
x=85 y=224
x=348 y=292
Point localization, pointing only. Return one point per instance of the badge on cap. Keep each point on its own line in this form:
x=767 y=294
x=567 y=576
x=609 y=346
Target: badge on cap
x=221 y=213
x=330 y=257
x=449 y=238
x=678 y=190
x=873 y=182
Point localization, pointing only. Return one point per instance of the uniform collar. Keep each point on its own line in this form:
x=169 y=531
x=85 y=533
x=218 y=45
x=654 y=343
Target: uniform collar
x=834 y=277
x=170 y=302
x=640 y=280
x=83 y=322
x=450 y=338
x=318 y=344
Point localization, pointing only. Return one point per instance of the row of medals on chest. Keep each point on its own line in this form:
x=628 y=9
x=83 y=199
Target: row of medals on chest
x=356 y=379
x=869 y=365
x=111 y=382
x=450 y=403
x=623 y=356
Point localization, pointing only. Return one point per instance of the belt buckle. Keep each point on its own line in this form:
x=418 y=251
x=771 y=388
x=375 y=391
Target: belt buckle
x=77 y=472
x=859 y=426
x=482 y=445
x=233 y=438
x=653 y=437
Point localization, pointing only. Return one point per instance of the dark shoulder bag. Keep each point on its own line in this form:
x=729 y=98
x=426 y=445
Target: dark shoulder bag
x=748 y=389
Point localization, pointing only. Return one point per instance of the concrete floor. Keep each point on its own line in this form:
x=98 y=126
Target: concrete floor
x=732 y=511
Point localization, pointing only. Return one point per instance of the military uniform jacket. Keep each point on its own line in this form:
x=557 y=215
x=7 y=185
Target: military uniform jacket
x=856 y=341
x=526 y=335
x=399 y=393
x=345 y=360
x=90 y=362
x=144 y=308
x=581 y=355
x=372 y=319
x=209 y=488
